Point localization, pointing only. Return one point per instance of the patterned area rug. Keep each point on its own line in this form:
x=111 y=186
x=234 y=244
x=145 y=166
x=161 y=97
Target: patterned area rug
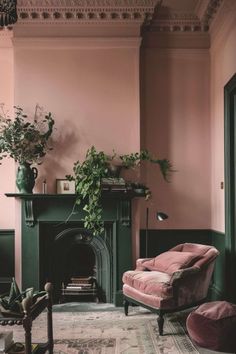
x=111 y=332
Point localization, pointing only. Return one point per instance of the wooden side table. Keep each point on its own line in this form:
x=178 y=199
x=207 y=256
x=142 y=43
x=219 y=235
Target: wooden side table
x=31 y=312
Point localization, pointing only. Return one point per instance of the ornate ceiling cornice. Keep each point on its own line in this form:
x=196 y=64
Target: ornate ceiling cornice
x=166 y=20
x=111 y=17
x=84 y=11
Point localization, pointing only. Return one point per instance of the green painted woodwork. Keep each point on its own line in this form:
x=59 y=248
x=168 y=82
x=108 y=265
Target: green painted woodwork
x=218 y=287
x=7 y=253
x=7 y=259
x=162 y=240
x=230 y=175
x=40 y=211
x=158 y=242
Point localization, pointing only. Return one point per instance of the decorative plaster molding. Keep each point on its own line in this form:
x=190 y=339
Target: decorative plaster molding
x=165 y=20
x=118 y=15
x=86 y=3
x=211 y=11
x=72 y=43
x=223 y=23
x=84 y=11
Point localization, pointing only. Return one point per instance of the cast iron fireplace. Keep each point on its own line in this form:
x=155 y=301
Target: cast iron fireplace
x=50 y=245
x=74 y=252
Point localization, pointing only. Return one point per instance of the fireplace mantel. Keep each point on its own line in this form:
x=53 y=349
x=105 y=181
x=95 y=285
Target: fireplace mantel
x=31 y=199
x=44 y=216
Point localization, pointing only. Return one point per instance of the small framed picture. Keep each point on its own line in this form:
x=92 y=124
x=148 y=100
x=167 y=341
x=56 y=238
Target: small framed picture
x=65 y=187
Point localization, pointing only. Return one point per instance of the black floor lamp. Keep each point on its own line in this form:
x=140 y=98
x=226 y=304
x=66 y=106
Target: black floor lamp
x=160 y=217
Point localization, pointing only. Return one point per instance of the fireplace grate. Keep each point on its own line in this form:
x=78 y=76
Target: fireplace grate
x=80 y=286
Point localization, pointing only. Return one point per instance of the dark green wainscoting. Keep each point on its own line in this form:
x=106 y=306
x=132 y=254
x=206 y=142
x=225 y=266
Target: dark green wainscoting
x=159 y=241
x=7 y=259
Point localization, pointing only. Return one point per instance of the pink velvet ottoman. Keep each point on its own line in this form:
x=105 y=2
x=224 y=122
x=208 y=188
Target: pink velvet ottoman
x=213 y=326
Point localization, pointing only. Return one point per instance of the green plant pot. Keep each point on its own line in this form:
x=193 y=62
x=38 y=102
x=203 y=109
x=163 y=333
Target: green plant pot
x=25 y=178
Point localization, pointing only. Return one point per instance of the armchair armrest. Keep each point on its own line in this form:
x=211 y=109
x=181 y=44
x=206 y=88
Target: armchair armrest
x=139 y=263
x=183 y=273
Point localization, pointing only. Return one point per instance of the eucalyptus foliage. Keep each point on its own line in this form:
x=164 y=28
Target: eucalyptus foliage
x=25 y=140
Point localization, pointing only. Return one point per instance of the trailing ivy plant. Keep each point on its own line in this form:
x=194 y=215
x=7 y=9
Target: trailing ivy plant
x=88 y=176
x=134 y=159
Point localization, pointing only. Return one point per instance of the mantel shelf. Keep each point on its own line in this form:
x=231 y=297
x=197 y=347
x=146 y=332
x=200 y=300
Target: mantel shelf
x=126 y=194
x=30 y=202
x=38 y=195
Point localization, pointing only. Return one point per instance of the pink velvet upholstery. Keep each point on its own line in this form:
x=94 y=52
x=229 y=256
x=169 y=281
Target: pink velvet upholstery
x=212 y=325
x=169 y=262
x=178 y=278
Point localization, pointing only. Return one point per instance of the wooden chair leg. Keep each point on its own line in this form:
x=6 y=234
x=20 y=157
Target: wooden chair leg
x=126 y=307
x=27 y=324
x=48 y=288
x=160 y=322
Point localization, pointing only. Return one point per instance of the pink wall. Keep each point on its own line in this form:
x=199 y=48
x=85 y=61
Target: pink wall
x=7 y=168
x=176 y=123
x=223 y=67
x=93 y=92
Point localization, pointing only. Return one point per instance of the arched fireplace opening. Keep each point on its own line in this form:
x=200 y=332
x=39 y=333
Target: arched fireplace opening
x=80 y=261
x=81 y=267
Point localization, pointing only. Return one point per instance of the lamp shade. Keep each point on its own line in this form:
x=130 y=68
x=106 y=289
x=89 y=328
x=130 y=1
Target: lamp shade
x=161 y=216
x=8 y=12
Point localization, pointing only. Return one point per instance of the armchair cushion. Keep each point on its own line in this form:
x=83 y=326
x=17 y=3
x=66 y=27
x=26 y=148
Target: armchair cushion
x=150 y=283
x=171 y=261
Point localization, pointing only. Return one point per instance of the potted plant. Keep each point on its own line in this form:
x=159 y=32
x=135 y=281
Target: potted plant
x=134 y=159
x=142 y=189
x=26 y=141
x=88 y=181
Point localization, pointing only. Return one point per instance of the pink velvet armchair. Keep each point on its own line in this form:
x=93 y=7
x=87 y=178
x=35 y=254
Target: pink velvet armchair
x=173 y=281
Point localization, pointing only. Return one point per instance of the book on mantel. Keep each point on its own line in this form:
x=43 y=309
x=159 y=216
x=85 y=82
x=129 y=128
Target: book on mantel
x=113 y=184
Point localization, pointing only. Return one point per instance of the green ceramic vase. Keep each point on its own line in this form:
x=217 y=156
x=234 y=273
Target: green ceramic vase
x=25 y=178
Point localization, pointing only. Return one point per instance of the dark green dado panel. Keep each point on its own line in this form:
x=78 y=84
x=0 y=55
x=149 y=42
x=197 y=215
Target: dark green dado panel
x=159 y=241
x=7 y=259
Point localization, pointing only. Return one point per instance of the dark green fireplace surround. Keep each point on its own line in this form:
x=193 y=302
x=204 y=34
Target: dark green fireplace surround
x=45 y=221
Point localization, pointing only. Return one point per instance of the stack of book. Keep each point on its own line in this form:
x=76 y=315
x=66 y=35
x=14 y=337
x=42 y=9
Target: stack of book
x=6 y=340
x=113 y=184
x=79 y=285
